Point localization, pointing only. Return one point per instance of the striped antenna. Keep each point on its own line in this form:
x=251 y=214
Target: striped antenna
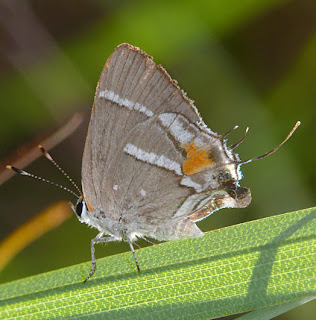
x=222 y=136
x=50 y=158
x=24 y=173
x=236 y=144
x=297 y=124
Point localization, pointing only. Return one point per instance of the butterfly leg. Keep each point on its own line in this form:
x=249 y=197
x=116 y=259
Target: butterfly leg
x=148 y=241
x=97 y=239
x=134 y=254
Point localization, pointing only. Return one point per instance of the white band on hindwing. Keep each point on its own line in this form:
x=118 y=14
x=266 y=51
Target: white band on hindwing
x=188 y=182
x=153 y=158
x=196 y=201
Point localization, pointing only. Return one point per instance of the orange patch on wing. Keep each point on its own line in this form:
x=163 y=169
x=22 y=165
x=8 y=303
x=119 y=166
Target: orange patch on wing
x=197 y=159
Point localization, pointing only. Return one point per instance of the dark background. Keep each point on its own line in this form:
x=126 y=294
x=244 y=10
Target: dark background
x=251 y=63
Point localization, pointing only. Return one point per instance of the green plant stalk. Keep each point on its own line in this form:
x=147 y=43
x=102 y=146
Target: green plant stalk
x=232 y=270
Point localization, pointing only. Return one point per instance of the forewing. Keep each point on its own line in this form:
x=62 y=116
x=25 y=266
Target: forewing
x=131 y=89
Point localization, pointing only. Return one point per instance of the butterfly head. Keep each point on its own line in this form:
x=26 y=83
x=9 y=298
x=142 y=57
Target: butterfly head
x=228 y=180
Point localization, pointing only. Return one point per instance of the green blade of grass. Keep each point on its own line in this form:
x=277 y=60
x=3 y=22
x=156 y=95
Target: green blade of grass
x=232 y=270
x=274 y=311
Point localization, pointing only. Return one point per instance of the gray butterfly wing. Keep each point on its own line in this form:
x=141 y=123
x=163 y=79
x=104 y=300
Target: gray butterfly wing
x=149 y=163
x=131 y=89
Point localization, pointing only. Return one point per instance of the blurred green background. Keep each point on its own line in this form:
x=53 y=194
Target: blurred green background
x=251 y=63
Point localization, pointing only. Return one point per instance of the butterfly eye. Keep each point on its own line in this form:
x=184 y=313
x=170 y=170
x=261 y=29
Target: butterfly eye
x=79 y=208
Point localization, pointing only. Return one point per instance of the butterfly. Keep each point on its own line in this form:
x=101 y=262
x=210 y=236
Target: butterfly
x=151 y=167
